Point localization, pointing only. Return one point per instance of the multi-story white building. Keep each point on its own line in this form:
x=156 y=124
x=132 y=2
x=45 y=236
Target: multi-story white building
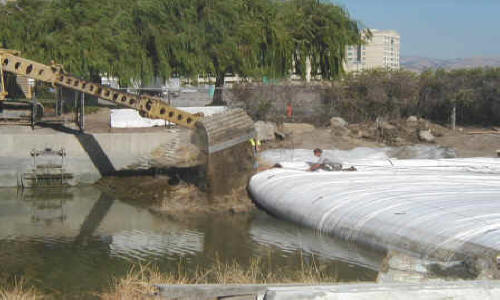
x=381 y=51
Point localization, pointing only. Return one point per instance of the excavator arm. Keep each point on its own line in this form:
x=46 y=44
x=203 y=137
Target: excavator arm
x=151 y=107
x=216 y=133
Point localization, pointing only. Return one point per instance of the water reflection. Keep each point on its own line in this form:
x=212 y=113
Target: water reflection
x=75 y=240
x=290 y=238
x=46 y=208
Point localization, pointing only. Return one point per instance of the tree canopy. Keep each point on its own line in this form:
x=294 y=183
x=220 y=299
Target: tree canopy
x=142 y=39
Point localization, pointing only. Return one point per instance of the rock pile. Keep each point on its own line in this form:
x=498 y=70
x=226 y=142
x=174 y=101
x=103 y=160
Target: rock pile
x=399 y=132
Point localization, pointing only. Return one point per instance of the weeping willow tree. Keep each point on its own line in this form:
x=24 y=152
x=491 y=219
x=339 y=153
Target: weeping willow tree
x=319 y=32
x=87 y=37
x=253 y=38
x=239 y=37
x=144 y=39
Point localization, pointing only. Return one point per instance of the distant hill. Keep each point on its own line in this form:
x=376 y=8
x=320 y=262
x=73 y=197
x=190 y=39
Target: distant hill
x=418 y=64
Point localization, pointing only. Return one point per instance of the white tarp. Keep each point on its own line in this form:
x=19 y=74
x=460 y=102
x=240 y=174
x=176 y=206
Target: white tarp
x=130 y=118
x=420 y=205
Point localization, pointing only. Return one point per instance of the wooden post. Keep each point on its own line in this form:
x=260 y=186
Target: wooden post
x=454 y=117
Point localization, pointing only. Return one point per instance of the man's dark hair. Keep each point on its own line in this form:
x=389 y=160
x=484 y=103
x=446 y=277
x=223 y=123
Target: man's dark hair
x=317 y=150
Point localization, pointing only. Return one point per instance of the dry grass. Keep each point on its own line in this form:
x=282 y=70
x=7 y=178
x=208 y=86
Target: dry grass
x=140 y=281
x=19 y=291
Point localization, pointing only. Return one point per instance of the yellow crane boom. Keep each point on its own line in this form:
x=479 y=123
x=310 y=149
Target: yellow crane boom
x=149 y=106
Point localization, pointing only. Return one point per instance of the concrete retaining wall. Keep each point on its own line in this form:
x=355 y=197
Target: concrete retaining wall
x=88 y=156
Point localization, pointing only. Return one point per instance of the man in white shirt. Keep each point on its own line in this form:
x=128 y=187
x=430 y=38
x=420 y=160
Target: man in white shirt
x=324 y=163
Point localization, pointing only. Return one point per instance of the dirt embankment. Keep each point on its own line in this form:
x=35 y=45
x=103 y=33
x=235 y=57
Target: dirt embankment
x=467 y=141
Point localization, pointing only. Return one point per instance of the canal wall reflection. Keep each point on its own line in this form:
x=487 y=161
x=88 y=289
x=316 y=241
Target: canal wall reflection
x=84 y=214
x=79 y=239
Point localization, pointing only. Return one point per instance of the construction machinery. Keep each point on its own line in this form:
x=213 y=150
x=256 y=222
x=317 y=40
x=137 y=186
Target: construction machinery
x=213 y=134
x=18 y=112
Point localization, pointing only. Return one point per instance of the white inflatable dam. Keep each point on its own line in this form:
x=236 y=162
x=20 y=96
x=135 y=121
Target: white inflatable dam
x=434 y=208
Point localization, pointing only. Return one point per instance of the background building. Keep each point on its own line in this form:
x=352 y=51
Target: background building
x=381 y=51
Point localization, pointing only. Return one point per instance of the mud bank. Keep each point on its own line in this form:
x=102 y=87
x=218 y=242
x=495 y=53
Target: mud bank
x=169 y=196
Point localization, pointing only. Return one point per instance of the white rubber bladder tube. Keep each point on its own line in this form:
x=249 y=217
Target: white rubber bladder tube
x=434 y=208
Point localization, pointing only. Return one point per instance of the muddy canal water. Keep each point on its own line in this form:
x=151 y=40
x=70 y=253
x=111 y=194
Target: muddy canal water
x=74 y=241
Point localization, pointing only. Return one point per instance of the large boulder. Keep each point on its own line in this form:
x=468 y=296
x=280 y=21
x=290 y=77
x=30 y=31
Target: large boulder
x=265 y=130
x=297 y=128
x=337 y=122
x=426 y=136
x=412 y=120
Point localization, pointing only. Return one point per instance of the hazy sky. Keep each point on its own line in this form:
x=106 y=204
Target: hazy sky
x=435 y=28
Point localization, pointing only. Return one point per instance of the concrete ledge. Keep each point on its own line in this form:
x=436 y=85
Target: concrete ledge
x=370 y=291
x=215 y=291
